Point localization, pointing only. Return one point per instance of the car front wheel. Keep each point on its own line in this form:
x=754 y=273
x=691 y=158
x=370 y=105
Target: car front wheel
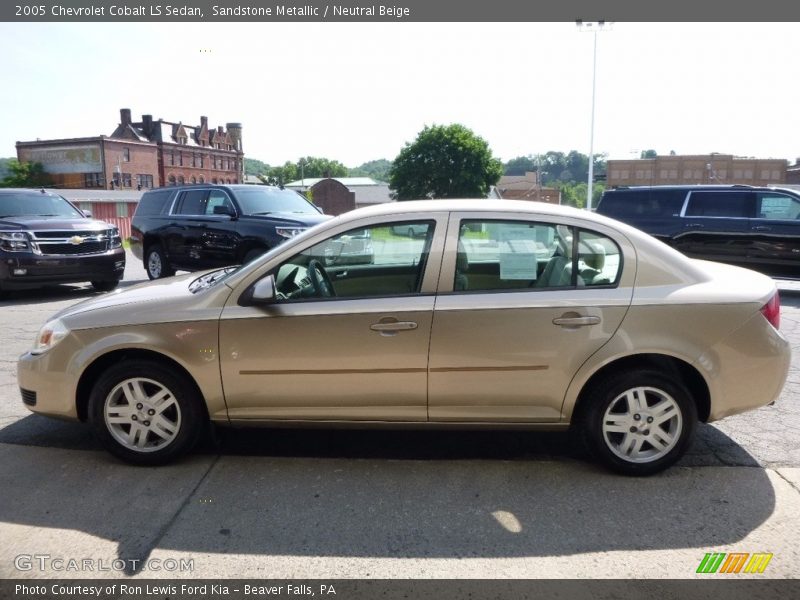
x=144 y=413
x=156 y=263
x=640 y=422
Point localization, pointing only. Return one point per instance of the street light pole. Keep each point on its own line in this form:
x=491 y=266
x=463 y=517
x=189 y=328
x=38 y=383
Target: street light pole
x=593 y=27
x=591 y=127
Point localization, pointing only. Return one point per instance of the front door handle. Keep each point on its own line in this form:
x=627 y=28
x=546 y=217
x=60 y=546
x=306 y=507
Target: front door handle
x=392 y=327
x=762 y=228
x=576 y=321
x=694 y=226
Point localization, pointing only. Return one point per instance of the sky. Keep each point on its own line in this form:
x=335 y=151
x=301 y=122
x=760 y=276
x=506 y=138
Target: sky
x=355 y=92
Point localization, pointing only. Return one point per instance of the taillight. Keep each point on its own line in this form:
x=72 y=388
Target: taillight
x=772 y=310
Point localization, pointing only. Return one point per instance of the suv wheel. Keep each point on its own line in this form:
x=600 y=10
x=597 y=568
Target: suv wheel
x=639 y=423
x=105 y=286
x=156 y=263
x=144 y=413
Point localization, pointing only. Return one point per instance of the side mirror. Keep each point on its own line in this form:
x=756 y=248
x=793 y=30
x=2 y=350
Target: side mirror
x=262 y=292
x=87 y=214
x=224 y=210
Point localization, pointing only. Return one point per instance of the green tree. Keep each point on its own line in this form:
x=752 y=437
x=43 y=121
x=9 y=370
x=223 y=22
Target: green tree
x=23 y=174
x=520 y=165
x=445 y=161
x=308 y=167
x=254 y=166
x=4 y=171
x=648 y=154
x=377 y=169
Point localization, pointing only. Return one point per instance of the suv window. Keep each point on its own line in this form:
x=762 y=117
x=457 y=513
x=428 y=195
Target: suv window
x=218 y=198
x=36 y=204
x=773 y=205
x=719 y=204
x=152 y=203
x=642 y=203
x=192 y=203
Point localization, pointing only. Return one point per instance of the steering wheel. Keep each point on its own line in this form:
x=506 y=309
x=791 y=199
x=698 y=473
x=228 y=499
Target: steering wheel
x=320 y=280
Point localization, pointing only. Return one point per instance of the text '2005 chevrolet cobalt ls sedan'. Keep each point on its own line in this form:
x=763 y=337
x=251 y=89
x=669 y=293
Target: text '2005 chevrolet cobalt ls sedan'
x=499 y=314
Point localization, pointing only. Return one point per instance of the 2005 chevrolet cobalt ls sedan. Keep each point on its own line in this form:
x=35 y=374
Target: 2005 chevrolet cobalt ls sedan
x=499 y=314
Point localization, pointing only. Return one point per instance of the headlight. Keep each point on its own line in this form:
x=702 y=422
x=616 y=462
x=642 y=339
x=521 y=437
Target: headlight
x=289 y=232
x=14 y=241
x=49 y=335
x=114 y=240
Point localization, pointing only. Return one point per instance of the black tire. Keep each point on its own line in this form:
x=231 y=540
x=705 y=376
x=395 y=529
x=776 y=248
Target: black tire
x=106 y=285
x=618 y=450
x=156 y=263
x=253 y=254
x=184 y=411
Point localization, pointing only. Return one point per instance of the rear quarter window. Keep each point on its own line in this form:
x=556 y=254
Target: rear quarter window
x=152 y=203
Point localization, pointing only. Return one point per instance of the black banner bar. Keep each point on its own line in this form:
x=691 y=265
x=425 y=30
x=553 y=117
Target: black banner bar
x=730 y=587
x=397 y=11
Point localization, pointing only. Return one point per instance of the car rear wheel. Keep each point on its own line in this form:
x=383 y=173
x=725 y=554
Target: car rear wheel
x=105 y=286
x=144 y=413
x=640 y=422
x=156 y=263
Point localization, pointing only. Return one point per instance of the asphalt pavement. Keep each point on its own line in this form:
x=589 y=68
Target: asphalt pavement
x=397 y=504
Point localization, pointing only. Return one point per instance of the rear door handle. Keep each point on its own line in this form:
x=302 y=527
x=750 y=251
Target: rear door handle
x=694 y=226
x=762 y=228
x=576 y=321
x=392 y=327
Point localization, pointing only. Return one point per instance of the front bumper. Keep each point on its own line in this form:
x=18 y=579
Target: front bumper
x=45 y=376
x=23 y=269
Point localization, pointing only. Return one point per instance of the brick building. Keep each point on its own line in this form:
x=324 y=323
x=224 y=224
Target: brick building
x=696 y=169
x=136 y=156
x=526 y=187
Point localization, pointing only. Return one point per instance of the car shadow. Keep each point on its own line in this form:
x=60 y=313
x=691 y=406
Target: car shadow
x=55 y=293
x=418 y=494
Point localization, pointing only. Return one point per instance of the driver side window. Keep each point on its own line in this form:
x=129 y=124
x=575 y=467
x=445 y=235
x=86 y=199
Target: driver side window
x=377 y=261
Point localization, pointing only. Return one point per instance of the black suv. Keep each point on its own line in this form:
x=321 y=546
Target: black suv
x=44 y=239
x=754 y=227
x=206 y=226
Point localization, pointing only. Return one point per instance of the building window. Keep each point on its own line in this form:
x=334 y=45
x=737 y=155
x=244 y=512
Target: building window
x=144 y=181
x=171 y=180
x=92 y=180
x=180 y=159
x=126 y=180
x=193 y=180
x=181 y=180
x=764 y=173
x=200 y=164
x=121 y=208
x=170 y=158
x=126 y=155
x=214 y=180
x=202 y=179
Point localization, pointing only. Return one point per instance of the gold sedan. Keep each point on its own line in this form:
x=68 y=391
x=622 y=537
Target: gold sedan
x=495 y=314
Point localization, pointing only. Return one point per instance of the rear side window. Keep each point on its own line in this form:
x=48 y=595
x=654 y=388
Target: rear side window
x=152 y=203
x=720 y=204
x=642 y=203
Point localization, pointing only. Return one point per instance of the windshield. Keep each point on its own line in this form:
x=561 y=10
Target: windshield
x=263 y=201
x=36 y=205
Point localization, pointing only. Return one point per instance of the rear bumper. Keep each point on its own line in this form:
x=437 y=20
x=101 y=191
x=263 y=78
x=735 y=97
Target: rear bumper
x=747 y=369
x=21 y=270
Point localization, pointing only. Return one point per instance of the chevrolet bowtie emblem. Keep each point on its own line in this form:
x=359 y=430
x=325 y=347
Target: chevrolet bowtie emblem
x=75 y=240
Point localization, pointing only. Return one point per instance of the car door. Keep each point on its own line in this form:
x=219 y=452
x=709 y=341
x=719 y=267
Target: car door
x=219 y=237
x=361 y=354
x=775 y=230
x=716 y=225
x=183 y=234
x=522 y=305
